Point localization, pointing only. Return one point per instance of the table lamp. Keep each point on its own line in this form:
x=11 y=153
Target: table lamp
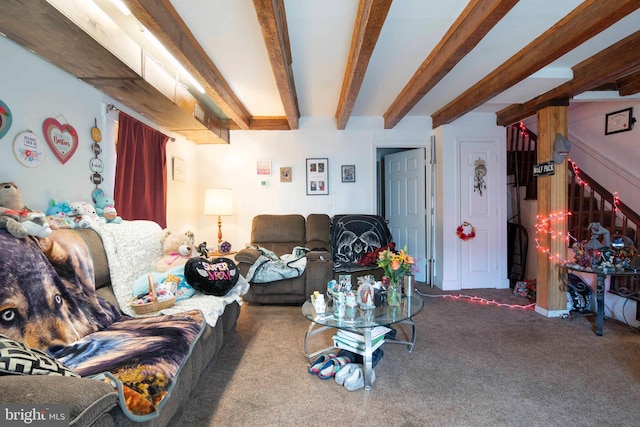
x=218 y=201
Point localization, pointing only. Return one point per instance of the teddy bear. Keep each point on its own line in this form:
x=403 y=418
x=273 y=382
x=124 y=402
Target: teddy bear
x=19 y=220
x=80 y=217
x=177 y=249
x=105 y=207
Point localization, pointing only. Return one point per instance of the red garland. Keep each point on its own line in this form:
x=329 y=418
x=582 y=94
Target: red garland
x=464 y=236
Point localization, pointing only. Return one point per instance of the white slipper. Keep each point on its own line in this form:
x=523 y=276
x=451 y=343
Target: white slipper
x=345 y=372
x=355 y=381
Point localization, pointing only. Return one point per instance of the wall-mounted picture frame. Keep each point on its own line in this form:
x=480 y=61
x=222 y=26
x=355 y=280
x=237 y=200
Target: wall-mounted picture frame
x=179 y=170
x=263 y=167
x=285 y=174
x=619 y=121
x=348 y=173
x=317 y=177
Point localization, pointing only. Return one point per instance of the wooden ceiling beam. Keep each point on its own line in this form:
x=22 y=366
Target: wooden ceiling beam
x=475 y=21
x=164 y=22
x=585 y=21
x=618 y=60
x=629 y=85
x=273 y=22
x=266 y=123
x=369 y=21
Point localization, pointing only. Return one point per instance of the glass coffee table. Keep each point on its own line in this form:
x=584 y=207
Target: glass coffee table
x=362 y=321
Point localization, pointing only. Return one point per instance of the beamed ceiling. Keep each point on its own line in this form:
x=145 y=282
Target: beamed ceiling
x=267 y=64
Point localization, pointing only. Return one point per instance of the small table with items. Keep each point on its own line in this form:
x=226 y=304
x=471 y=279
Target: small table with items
x=601 y=274
x=363 y=321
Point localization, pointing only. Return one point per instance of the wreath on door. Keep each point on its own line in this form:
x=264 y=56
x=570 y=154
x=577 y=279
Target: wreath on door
x=466 y=231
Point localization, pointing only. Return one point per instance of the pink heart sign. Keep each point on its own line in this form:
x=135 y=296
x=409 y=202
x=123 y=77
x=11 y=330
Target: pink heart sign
x=62 y=139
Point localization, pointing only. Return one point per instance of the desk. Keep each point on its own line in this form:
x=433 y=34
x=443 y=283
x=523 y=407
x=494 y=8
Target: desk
x=601 y=274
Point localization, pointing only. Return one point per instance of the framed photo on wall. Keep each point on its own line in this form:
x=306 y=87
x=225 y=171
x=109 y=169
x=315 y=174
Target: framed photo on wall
x=317 y=177
x=619 y=121
x=285 y=174
x=348 y=173
x=263 y=167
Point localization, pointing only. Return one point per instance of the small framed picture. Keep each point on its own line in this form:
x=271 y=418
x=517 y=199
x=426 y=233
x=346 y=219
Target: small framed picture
x=619 y=121
x=348 y=173
x=285 y=174
x=317 y=177
x=264 y=167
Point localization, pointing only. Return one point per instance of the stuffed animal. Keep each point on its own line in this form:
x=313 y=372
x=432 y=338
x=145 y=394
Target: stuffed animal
x=58 y=214
x=80 y=216
x=177 y=249
x=105 y=207
x=20 y=221
x=90 y=210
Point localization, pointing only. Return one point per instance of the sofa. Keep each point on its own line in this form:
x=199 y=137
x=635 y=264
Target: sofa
x=101 y=400
x=334 y=247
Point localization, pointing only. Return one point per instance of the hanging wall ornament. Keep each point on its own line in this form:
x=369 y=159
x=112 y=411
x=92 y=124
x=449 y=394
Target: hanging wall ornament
x=480 y=173
x=28 y=149
x=5 y=119
x=62 y=139
x=96 y=164
x=466 y=231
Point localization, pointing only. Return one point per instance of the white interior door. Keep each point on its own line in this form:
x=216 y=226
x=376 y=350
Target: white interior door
x=405 y=178
x=479 y=266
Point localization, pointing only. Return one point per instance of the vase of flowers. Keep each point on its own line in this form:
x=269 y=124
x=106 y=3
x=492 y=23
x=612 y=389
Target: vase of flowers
x=395 y=265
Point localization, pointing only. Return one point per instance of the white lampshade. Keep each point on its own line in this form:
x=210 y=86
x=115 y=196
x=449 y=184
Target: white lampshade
x=218 y=201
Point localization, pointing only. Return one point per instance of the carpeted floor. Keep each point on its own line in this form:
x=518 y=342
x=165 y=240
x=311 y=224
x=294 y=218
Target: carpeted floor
x=474 y=364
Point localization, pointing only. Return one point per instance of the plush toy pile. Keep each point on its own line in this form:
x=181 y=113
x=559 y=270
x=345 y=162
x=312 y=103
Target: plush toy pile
x=82 y=214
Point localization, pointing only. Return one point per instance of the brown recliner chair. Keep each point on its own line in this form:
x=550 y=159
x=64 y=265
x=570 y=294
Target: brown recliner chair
x=281 y=234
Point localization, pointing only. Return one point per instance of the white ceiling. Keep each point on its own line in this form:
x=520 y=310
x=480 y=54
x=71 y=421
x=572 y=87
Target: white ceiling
x=320 y=33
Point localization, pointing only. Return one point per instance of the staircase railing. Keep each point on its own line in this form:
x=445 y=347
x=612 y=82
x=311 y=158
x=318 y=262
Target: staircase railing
x=590 y=202
x=521 y=156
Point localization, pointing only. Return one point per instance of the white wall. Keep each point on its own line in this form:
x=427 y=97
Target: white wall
x=234 y=166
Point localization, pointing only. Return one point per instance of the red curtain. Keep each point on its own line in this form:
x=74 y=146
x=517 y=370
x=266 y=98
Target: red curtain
x=141 y=172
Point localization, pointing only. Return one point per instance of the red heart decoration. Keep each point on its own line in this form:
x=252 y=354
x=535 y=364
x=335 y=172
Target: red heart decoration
x=62 y=139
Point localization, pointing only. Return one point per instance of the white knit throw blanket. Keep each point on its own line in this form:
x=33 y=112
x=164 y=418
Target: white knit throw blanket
x=132 y=248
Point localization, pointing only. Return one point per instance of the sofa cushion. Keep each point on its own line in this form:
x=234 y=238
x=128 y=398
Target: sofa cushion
x=317 y=232
x=278 y=233
x=18 y=359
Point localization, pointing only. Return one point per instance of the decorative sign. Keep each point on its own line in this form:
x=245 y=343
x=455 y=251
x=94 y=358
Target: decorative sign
x=5 y=119
x=544 y=169
x=28 y=149
x=96 y=165
x=62 y=139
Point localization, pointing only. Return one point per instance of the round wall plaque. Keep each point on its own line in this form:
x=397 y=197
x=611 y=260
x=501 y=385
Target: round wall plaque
x=27 y=148
x=5 y=119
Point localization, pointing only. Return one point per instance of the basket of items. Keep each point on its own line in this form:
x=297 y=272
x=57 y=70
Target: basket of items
x=161 y=296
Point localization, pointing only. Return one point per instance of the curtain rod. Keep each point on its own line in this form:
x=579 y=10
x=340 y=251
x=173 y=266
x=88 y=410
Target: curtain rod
x=111 y=107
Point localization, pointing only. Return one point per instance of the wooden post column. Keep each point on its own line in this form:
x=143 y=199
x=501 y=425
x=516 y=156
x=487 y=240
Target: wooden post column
x=552 y=199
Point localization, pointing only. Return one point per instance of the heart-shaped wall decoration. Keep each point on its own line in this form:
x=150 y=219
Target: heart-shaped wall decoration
x=62 y=139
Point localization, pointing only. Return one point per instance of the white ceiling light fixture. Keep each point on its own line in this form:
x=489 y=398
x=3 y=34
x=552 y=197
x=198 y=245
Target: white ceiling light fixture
x=168 y=54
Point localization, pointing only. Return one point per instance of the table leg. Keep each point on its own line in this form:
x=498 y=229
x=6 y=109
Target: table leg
x=368 y=356
x=600 y=303
x=313 y=330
